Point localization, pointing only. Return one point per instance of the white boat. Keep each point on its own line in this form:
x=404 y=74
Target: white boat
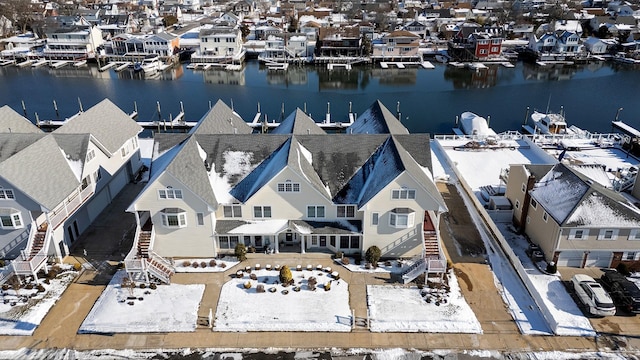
x=150 y=65
x=549 y=123
x=473 y=124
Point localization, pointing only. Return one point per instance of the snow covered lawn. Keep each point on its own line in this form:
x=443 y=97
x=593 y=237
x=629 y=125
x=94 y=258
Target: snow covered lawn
x=284 y=309
x=169 y=308
x=401 y=309
x=187 y=265
x=23 y=318
x=558 y=304
x=382 y=267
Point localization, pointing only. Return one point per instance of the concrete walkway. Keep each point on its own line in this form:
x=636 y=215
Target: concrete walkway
x=106 y=242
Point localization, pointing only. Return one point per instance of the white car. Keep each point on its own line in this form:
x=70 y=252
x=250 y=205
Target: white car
x=593 y=295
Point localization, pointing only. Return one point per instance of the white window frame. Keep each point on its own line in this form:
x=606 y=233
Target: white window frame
x=7 y=194
x=603 y=234
x=232 y=211
x=312 y=211
x=534 y=204
x=200 y=219
x=403 y=194
x=179 y=216
x=97 y=176
x=583 y=234
x=517 y=204
x=635 y=255
x=288 y=186
x=261 y=212
x=634 y=234
x=545 y=216
x=408 y=220
x=14 y=217
x=524 y=187
x=345 y=209
x=169 y=194
x=91 y=154
x=375 y=218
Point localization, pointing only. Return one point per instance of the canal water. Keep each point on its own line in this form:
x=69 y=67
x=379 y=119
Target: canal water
x=429 y=100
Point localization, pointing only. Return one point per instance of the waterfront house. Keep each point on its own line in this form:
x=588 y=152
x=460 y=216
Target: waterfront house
x=21 y=45
x=295 y=190
x=219 y=44
x=342 y=41
x=73 y=42
x=399 y=45
x=474 y=44
x=162 y=44
x=596 y=46
x=93 y=156
x=576 y=220
x=284 y=47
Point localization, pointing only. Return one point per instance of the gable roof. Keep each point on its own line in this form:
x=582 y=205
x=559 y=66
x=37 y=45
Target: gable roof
x=221 y=119
x=12 y=122
x=27 y=171
x=573 y=199
x=188 y=167
x=377 y=119
x=109 y=125
x=11 y=143
x=298 y=123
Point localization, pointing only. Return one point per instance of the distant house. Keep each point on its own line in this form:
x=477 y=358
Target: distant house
x=162 y=44
x=73 y=42
x=400 y=45
x=93 y=156
x=479 y=44
x=339 y=41
x=575 y=220
x=219 y=44
x=244 y=7
x=596 y=46
x=297 y=190
x=417 y=28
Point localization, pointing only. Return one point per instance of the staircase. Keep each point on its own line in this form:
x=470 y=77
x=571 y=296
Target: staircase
x=144 y=240
x=142 y=260
x=159 y=267
x=431 y=245
x=38 y=242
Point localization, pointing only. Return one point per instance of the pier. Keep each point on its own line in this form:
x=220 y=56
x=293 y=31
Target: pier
x=625 y=129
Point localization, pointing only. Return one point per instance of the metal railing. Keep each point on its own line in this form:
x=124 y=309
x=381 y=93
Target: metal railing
x=69 y=205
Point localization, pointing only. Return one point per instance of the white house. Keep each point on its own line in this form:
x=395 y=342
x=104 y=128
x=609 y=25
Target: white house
x=54 y=185
x=218 y=44
x=295 y=190
x=75 y=42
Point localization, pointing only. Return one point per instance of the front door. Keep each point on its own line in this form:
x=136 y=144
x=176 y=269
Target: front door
x=288 y=238
x=323 y=241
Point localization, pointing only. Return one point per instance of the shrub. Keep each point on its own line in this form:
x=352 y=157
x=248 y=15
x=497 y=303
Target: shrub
x=223 y=265
x=327 y=286
x=240 y=252
x=186 y=263
x=552 y=268
x=623 y=269
x=40 y=288
x=260 y=288
x=251 y=249
x=286 y=277
x=339 y=255
x=247 y=285
x=357 y=258
x=29 y=286
x=2 y=263
x=372 y=255
x=203 y=264
x=5 y=287
x=212 y=263
x=449 y=265
x=346 y=261
x=195 y=265
x=153 y=286
x=77 y=267
x=143 y=286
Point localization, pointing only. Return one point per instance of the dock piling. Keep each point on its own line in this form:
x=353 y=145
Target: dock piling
x=80 y=103
x=24 y=109
x=55 y=107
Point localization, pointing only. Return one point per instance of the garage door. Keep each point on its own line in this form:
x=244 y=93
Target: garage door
x=118 y=182
x=570 y=258
x=97 y=204
x=599 y=259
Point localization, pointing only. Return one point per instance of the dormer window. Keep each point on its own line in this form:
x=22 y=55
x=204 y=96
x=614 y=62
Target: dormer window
x=170 y=193
x=288 y=186
x=10 y=218
x=403 y=194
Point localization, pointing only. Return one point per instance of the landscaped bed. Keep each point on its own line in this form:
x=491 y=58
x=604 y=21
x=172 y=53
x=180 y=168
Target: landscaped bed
x=242 y=307
x=124 y=309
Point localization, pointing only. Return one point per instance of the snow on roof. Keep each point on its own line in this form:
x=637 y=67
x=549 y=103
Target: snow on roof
x=261 y=227
x=559 y=191
x=377 y=119
x=596 y=211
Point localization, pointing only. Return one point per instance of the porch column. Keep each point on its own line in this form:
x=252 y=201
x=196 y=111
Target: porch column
x=277 y=245
x=302 y=251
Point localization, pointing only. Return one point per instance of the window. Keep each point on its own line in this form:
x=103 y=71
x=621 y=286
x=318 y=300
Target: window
x=85 y=182
x=403 y=194
x=288 y=187
x=355 y=242
x=6 y=194
x=125 y=150
x=545 y=217
x=174 y=218
x=402 y=218
x=227 y=242
x=344 y=242
x=494 y=49
x=517 y=204
x=631 y=255
x=524 y=187
x=375 y=217
x=534 y=204
x=97 y=176
x=200 y=218
x=170 y=193
x=634 y=234
x=483 y=51
x=332 y=240
x=232 y=211
x=10 y=218
x=346 y=211
x=315 y=211
x=608 y=234
x=262 y=211
x=578 y=234
x=495 y=41
x=90 y=155
x=314 y=240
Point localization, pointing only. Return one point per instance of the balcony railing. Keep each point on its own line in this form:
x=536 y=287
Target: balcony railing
x=69 y=205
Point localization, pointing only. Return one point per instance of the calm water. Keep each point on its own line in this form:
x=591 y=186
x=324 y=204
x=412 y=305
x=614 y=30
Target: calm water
x=429 y=99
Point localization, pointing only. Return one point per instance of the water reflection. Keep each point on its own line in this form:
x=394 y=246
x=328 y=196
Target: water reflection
x=472 y=79
x=224 y=77
x=294 y=75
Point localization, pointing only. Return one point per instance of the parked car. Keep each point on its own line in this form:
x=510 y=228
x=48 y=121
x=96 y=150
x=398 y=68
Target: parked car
x=625 y=293
x=593 y=296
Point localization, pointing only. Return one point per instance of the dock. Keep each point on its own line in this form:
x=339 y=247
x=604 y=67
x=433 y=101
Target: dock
x=427 y=65
x=122 y=66
x=39 y=63
x=25 y=63
x=332 y=66
x=107 y=66
x=59 y=64
x=80 y=63
x=7 y=62
x=625 y=129
x=384 y=65
x=277 y=66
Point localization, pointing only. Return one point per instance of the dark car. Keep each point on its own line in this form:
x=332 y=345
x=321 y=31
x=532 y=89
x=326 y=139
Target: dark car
x=624 y=292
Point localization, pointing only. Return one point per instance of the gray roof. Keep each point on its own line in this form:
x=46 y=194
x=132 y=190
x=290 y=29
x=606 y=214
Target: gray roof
x=298 y=123
x=12 y=122
x=221 y=119
x=74 y=146
x=111 y=126
x=11 y=144
x=377 y=119
x=188 y=167
x=41 y=171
